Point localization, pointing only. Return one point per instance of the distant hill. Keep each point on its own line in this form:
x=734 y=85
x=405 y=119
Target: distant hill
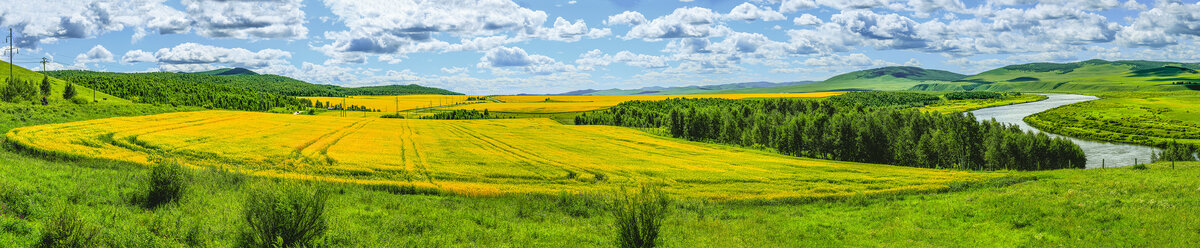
x=886 y=78
x=244 y=78
x=228 y=71
x=181 y=89
x=1083 y=76
x=684 y=90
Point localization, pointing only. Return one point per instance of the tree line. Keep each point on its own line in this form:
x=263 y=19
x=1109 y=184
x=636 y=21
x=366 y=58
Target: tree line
x=180 y=89
x=461 y=114
x=869 y=127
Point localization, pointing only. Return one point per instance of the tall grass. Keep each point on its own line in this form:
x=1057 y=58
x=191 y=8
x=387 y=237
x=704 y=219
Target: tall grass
x=168 y=180
x=283 y=215
x=67 y=229
x=638 y=216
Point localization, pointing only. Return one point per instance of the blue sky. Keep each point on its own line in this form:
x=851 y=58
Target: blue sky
x=551 y=46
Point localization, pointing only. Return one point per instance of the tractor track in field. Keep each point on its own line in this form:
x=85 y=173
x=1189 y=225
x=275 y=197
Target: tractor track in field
x=521 y=154
x=420 y=163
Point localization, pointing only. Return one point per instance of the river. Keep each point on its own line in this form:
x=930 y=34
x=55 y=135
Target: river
x=1099 y=154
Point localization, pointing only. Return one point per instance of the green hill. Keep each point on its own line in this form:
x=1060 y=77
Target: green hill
x=56 y=86
x=886 y=78
x=228 y=71
x=1084 y=76
x=244 y=78
x=180 y=89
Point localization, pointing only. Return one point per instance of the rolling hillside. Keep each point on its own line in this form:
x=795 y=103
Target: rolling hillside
x=57 y=86
x=244 y=78
x=1084 y=76
x=886 y=78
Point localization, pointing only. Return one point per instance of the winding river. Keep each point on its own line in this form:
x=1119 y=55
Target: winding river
x=1099 y=154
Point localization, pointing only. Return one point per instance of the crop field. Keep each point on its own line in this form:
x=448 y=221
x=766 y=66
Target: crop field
x=477 y=157
x=561 y=104
x=390 y=103
x=1139 y=118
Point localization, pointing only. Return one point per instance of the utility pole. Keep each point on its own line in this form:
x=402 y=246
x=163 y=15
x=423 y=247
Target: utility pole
x=11 y=51
x=44 y=61
x=397 y=109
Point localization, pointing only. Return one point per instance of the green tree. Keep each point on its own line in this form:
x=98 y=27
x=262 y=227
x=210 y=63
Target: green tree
x=45 y=86
x=69 y=92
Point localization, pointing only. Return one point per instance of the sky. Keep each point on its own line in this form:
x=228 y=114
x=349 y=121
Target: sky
x=554 y=46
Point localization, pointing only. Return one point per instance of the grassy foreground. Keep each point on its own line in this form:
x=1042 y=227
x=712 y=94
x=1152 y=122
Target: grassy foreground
x=1078 y=208
x=1112 y=207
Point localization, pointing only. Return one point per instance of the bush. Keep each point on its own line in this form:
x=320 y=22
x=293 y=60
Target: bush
x=286 y=216
x=1138 y=167
x=66 y=229
x=78 y=101
x=638 y=216
x=167 y=182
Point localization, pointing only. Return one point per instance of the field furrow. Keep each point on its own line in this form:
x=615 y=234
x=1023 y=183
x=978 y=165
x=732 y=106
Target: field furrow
x=473 y=157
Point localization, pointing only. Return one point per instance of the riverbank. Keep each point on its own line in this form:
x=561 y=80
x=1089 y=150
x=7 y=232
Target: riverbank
x=1099 y=154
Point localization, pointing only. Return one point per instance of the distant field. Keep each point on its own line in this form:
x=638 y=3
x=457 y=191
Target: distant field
x=1138 y=118
x=389 y=103
x=560 y=104
x=479 y=157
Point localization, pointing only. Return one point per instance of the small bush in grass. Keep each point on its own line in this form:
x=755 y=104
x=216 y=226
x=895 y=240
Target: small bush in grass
x=1138 y=167
x=283 y=216
x=66 y=229
x=167 y=182
x=638 y=216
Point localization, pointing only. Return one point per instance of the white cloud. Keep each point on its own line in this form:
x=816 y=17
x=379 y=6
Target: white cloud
x=807 y=20
x=137 y=56
x=626 y=18
x=597 y=58
x=564 y=30
x=50 y=20
x=247 y=19
x=789 y=6
x=501 y=57
x=1164 y=25
x=194 y=57
x=751 y=12
x=454 y=70
x=97 y=54
x=693 y=22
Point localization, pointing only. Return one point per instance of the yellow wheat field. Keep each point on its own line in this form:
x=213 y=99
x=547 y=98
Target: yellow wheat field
x=471 y=157
x=390 y=103
x=560 y=104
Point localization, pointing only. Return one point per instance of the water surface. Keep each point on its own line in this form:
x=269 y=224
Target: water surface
x=1099 y=154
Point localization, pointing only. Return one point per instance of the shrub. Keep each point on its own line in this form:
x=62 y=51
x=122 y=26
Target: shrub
x=638 y=216
x=69 y=92
x=1138 y=167
x=66 y=229
x=283 y=216
x=167 y=182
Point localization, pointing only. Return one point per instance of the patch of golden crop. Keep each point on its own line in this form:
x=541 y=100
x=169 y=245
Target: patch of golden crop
x=472 y=157
x=560 y=104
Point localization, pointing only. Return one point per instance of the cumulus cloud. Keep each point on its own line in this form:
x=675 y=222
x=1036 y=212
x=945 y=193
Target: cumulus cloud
x=97 y=54
x=751 y=12
x=807 y=20
x=194 y=57
x=1164 y=25
x=596 y=57
x=887 y=31
x=137 y=56
x=246 y=19
x=693 y=22
x=626 y=18
x=52 y=20
x=564 y=30
x=454 y=70
x=502 y=57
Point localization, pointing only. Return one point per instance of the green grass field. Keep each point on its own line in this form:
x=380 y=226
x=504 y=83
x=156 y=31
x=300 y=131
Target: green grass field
x=1110 y=207
x=1152 y=119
